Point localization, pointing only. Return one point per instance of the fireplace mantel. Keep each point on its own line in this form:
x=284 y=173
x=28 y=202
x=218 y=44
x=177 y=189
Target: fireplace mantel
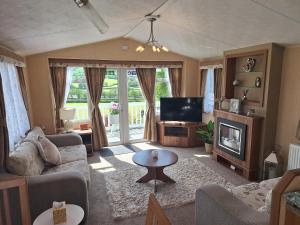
x=248 y=166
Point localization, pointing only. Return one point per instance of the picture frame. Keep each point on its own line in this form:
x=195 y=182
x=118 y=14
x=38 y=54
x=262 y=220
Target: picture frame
x=235 y=105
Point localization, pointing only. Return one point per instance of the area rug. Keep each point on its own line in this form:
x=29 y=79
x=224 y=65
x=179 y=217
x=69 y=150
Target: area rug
x=128 y=198
x=115 y=150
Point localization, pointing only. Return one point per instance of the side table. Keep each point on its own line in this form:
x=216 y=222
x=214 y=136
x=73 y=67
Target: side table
x=87 y=139
x=75 y=215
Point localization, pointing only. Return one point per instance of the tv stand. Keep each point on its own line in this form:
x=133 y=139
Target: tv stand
x=179 y=133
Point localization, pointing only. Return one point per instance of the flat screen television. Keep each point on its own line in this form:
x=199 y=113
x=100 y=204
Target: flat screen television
x=181 y=109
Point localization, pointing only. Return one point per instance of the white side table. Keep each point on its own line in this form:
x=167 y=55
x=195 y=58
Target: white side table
x=75 y=215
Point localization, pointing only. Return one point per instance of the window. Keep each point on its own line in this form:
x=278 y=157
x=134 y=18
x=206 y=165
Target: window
x=209 y=96
x=16 y=114
x=162 y=86
x=77 y=93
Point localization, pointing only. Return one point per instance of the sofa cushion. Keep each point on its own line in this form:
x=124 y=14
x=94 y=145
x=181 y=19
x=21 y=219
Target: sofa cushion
x=80 y=166
x=49 y=152
x=25 y=160
x=35 y=132
x=254 y=194
x=72 y=153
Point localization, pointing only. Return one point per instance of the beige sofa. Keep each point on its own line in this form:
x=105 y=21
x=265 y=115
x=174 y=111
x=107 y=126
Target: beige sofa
x=66 y=182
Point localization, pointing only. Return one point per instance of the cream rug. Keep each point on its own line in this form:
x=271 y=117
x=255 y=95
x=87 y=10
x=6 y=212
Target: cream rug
x=128 y=198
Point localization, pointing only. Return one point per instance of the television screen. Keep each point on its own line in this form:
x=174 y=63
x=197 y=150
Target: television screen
x=181 y=109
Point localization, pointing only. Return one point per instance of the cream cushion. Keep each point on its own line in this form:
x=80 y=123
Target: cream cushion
x=49 y=152
x=25 y=160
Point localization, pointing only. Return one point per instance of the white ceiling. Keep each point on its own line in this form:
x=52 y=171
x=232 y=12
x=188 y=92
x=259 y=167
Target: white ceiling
x=196 y=28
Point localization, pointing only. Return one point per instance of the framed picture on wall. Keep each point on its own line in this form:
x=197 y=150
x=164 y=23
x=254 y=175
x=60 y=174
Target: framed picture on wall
x=235 y=105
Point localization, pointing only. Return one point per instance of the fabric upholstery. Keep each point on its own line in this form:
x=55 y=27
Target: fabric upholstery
x=35 y=132
x=175 y=77
x=80 y=166
x=62 y=189
x=95 y=80
x=67 y=139
x=58 y=78
x=72 y=153
x=25 y=160
x=4 y=145
x=48 y=151
x=146 y=77
x=254 y=194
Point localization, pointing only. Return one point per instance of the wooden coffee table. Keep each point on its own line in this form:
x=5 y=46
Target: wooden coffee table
x=155 y=166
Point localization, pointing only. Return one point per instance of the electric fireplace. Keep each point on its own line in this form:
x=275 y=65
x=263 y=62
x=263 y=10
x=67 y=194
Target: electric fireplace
x=231 y=137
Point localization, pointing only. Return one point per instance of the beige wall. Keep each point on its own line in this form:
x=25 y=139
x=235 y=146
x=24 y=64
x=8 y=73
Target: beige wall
x=289 y=101
x=39 y=78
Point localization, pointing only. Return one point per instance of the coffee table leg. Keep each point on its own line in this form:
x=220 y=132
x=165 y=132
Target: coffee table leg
x=149 y=176
x=163 y=177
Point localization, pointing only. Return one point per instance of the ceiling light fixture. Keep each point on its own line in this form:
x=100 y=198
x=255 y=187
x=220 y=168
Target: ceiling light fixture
x=92 y=14
x=156 y=47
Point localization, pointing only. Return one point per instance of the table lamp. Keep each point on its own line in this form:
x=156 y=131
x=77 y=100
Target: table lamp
x=67 y=114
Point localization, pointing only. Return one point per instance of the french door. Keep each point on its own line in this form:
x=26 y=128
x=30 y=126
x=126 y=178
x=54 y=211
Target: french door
x=123 y=106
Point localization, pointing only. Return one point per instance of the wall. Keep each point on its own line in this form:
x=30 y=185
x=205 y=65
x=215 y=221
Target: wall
x=39 y=77
x=289 y=101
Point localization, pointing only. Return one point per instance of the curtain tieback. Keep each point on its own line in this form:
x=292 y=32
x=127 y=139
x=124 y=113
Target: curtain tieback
x=2 y=123
x=151 y=104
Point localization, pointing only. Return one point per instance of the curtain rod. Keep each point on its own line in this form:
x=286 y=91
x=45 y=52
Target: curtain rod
x=10 y=60
x=114 y=63
x=216 y=66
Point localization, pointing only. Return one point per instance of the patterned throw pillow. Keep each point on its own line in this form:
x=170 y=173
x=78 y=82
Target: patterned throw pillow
x=48 y=151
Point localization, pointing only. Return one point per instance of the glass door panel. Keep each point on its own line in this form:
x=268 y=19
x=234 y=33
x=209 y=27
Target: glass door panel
x=136 y=107
x=110 y=106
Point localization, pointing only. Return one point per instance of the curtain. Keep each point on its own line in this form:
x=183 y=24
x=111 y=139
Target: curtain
x=175 y=77
x=58 y=78
x=68 y=83
x=95 y=80
x=209 y=99
x=146 y=77
x=16 y=115
x=22 y=83
x=4 y=144
x=203 y=75
x=218 y=83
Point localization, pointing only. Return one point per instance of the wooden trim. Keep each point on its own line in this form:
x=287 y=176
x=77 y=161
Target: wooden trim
x=155 y=214
x=277 y=193
x=249 y=53
x=6 y=204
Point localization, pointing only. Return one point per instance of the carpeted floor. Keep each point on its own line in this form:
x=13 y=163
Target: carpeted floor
x=103 y=168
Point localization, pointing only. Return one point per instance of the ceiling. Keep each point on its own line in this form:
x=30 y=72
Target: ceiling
x=196 y=28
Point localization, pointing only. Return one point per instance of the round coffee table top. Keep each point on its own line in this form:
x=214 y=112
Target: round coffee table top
x=75 y=215
x=145 y=158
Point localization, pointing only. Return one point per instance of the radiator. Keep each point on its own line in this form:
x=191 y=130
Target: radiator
x=294 y=157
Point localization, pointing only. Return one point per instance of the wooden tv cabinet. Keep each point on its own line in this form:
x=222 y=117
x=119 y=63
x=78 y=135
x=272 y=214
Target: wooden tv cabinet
x=179 y=134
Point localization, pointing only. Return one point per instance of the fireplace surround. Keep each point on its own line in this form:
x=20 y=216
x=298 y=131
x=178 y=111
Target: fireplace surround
x=237 y=142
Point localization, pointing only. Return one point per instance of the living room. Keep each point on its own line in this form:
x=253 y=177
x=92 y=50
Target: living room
x=126 y=112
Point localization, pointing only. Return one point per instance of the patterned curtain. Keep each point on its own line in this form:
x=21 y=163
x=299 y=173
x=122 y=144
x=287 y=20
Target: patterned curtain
x=146 y=77
x=203 y=76
x=175 y=77
x=218 y=83
x=4 y=145
x=58 y=78
x=95 y=80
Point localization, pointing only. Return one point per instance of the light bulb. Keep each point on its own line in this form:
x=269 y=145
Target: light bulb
x=158 y=50
x=154 y=48
x=165 y=49
x=142 y=49
x=138 y=48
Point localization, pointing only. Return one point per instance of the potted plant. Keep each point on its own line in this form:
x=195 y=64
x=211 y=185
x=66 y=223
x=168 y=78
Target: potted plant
x=114 y=113
x=206 y=135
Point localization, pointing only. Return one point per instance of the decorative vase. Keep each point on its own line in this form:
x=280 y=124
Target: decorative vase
x=208 y=147
x=154 y=154
x=114 y=119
